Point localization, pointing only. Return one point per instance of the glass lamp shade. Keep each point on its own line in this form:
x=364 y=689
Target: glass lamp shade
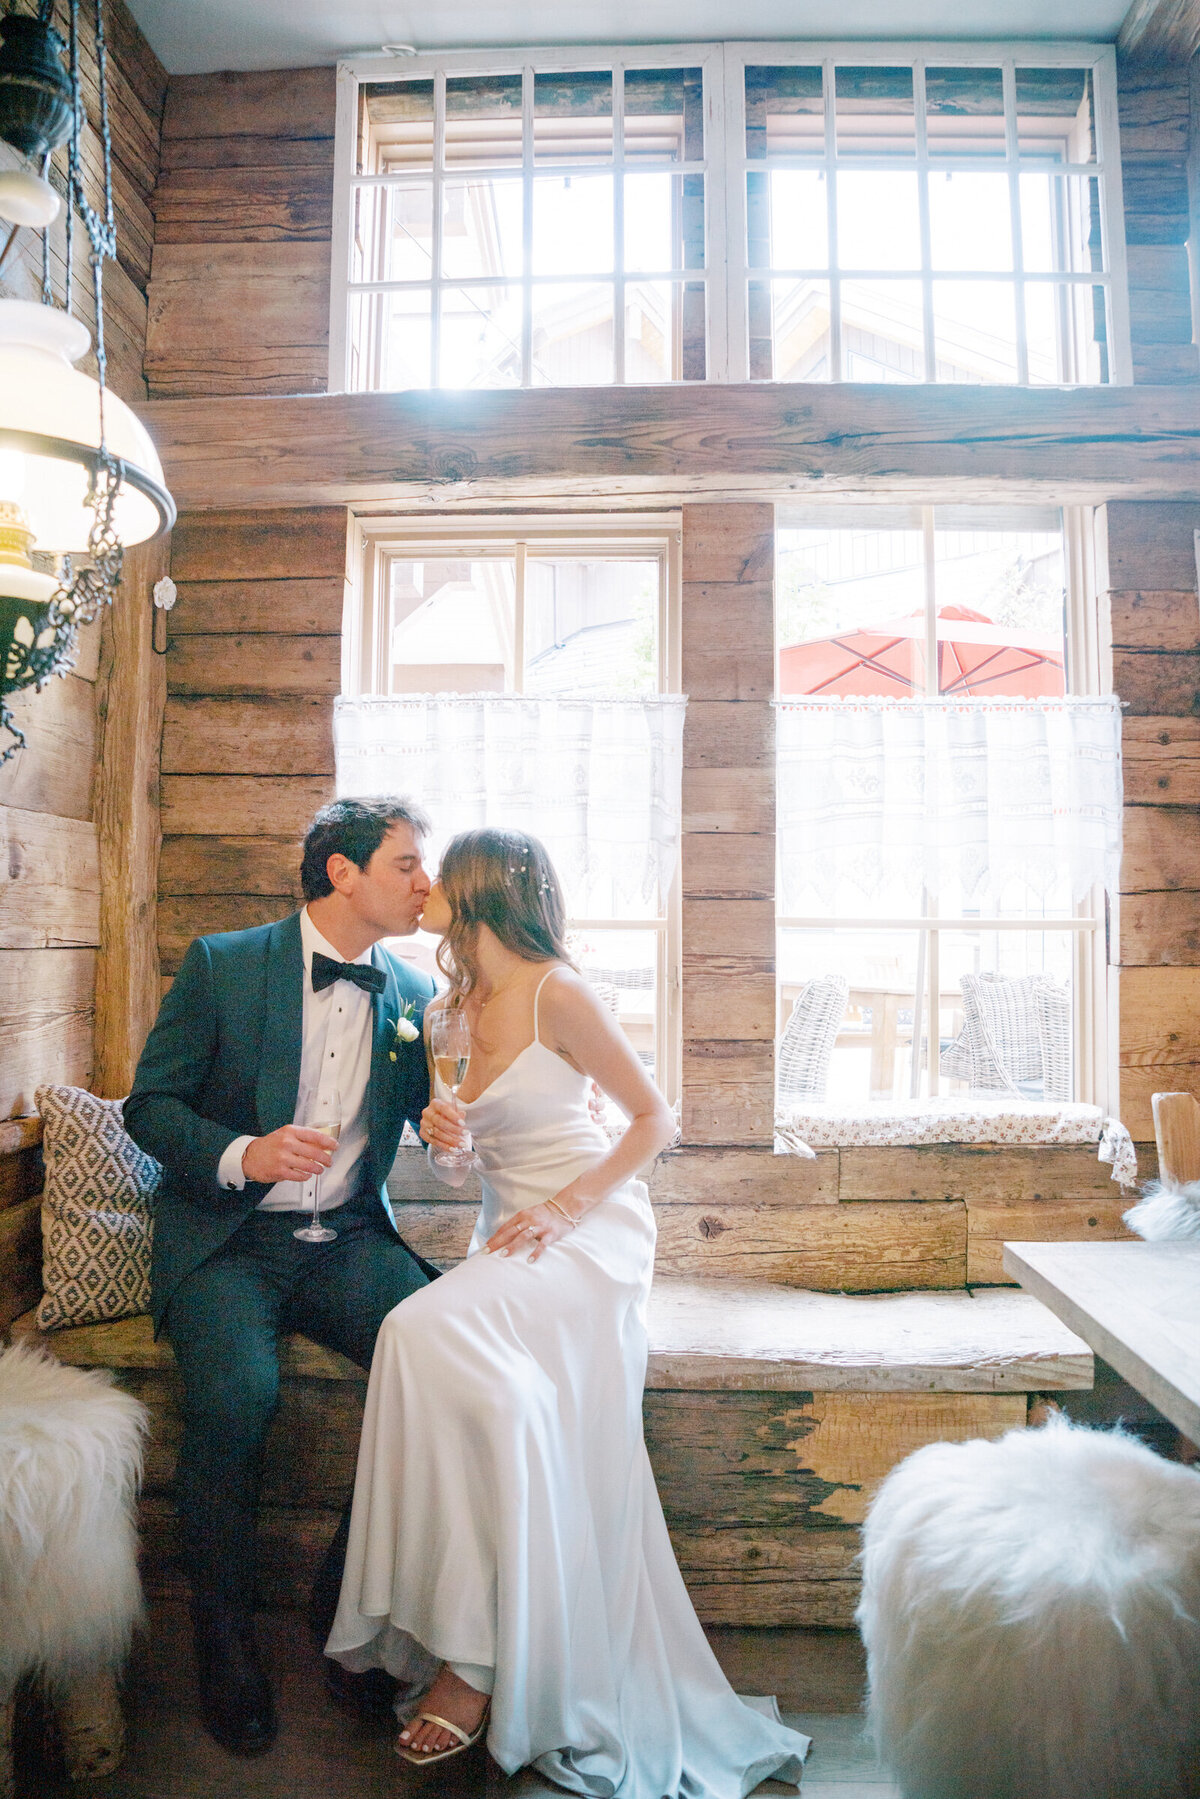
x=50 y=432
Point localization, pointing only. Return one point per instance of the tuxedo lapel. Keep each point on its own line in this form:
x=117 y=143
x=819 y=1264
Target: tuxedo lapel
x=381 y=1092
x=283 y=1028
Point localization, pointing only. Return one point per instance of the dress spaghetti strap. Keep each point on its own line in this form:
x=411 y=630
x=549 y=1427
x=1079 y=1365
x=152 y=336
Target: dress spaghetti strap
x=537 y=996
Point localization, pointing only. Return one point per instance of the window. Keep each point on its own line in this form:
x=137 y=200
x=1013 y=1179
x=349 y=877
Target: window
x=936 y=938
x=796 y=212
x=458 y=614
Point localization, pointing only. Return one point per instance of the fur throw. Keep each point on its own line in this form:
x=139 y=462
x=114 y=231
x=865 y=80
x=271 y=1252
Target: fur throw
x=70 y=1463
x=1031 y=1611
x=1165 y=1211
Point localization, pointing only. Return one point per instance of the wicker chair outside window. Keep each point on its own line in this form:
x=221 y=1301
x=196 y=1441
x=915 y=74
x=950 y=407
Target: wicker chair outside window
x=1016 y=1033
x=806 y=1047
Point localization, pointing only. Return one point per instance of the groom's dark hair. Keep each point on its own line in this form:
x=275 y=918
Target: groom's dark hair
x=354 y=829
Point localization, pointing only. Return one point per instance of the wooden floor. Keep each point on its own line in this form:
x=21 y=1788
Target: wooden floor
x=323 y=1754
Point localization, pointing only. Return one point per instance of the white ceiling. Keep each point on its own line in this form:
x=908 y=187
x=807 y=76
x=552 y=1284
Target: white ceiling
x=197 y=36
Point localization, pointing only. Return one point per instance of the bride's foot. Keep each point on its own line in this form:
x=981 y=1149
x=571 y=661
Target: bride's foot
x=452 y=1699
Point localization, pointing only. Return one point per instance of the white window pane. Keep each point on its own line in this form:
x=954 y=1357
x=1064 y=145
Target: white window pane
x=622 y=969
x=393 y=233
x=395 y=127
x=1005 y=1014
x=975 y=331
x=878 y=217
x=483 y=121
x=1060 y=223
x=664 y=115
x=573 y=335
x=481 y=228
x=1000 y=599
x=799 y=226
x=970 y=221
x=850 y=607
x=871 y=1055
x=591 y=626
x=1067 y=330
x=789 y=326
x=883 y=331
x=481 y=337
x=1056 y=115
x=452 y=625
x=390 y=340
x=875 y=112
x=651 y=330
x=572 y=225
x=651 y=232
x=785 y=112
x=572 y=116
x=964 y=113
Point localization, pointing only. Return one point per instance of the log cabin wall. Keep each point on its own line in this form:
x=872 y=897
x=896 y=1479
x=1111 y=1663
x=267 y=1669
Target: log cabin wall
x=1155 y=101
x=50 y=798
x=239 y=295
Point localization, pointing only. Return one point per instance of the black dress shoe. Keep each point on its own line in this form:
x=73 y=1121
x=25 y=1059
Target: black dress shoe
x=235 y=1695
x=370 y=1694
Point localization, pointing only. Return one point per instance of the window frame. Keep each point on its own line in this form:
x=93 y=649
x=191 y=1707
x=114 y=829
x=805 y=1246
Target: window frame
x=376 y=541
x=726 y=275
x=1089 y=672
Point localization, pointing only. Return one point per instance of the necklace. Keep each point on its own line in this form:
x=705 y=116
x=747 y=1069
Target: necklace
x=502 y=988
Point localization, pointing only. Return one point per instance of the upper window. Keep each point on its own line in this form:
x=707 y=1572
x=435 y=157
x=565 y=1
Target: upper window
x=730 y=212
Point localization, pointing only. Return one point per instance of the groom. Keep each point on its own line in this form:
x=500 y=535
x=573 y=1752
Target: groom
x=257 y=1025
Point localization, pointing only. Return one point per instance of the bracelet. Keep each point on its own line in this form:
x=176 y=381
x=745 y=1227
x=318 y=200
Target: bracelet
x=573 y=1222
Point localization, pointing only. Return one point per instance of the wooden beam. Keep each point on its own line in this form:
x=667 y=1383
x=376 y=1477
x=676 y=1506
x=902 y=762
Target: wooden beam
x=1080 y=444
x=133 y=692
x=1163 y=29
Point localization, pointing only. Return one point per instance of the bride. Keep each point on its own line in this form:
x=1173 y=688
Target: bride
x=508 y=1557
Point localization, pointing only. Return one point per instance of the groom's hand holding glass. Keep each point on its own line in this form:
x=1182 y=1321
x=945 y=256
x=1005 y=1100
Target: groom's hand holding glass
x=292 y=1153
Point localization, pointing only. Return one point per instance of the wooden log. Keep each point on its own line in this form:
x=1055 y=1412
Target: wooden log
x=724 y=617
x=1160 y=30
x=238 y=548
x=728 y=996
x=976 y=1172
x=733 y=801
x=770 y=1578
x=307 y=607
x=21 y=1175
x=1160 y=928
x=1155 y=193
x=1160 y=1018
x=728 y=865
x=731 y=928
x=728 y=734
x=1153 y=682
x=730 y=1177
x=1154 y=110
x=728 y=1092
x=1177 y=1137
x=198 y=915
x=735 y=1460
x=1157 y=317
x=1151 y=546
x=20 y=1134
x=1161 y=849
x=1155 y=620
x=990 y=1226
x=289 y=105
x=1161 y=365
x=729 y=543
x=253 y=204
x=291 y=736
x=132 y=697
x=49 y=881
x=845 y=1249
x=237 y=865
x=1083 y=445
x=1137 y=1089
x=46 y=1015
x=727 y=675
x=20 y=1259
x=238 y=319
x=53 y=773
x=242 y=805
x=255 y=664
x=1161 y=761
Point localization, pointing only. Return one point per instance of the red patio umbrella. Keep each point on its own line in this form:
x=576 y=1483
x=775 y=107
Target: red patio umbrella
x=975 y=656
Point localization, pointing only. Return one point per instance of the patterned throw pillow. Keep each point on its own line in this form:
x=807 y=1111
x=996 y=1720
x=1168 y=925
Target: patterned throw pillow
x=96 y=1217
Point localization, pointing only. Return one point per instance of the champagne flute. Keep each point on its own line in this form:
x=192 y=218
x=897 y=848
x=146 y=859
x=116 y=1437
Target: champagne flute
x=450 y=1040
x=324 y=1114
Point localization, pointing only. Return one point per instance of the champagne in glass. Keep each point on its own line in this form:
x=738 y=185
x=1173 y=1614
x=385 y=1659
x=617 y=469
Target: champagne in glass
x=324 y=1115
x=450 y=1040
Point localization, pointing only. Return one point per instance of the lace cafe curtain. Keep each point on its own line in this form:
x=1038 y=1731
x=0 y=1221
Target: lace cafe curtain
x=597 y=780
x=982 y=803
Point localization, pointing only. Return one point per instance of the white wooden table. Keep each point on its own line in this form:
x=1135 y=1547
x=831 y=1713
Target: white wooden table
x=1135 y=1304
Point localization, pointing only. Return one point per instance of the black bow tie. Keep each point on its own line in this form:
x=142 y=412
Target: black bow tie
x=325 y=971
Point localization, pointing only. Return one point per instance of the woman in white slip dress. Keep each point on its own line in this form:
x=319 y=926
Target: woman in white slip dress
x=507 y=1538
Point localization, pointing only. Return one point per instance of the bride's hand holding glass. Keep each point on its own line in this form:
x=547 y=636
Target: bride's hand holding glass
x=442 y=1125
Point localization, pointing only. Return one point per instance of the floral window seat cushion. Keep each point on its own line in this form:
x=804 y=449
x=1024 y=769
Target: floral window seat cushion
x=803 y=1128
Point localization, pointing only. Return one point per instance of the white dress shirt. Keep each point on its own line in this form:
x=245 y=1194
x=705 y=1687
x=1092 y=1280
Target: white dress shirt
x=335 y=1058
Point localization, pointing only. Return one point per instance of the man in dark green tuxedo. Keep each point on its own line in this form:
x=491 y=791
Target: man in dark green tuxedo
x=260 y=1028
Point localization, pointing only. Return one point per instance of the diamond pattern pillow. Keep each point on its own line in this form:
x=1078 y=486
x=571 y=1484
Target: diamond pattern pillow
x=96 y=1217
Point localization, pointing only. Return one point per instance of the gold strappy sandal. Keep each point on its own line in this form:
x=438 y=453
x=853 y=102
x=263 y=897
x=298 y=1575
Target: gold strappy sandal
x=426 y=1759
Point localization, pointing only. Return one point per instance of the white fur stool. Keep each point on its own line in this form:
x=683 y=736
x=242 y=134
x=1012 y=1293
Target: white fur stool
x=1031 y=1612
x=70 y=1462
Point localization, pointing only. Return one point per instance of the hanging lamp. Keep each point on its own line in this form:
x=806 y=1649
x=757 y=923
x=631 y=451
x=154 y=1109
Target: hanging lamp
x=80 y=480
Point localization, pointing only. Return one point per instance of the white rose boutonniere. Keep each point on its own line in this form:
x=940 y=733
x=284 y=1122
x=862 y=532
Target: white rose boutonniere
x=406 y=1029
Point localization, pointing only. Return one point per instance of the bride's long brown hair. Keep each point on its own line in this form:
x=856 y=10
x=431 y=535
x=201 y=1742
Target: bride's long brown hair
x=505 y=880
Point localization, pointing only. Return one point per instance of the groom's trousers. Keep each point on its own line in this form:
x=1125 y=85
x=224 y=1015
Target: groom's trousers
x=224 y=1323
